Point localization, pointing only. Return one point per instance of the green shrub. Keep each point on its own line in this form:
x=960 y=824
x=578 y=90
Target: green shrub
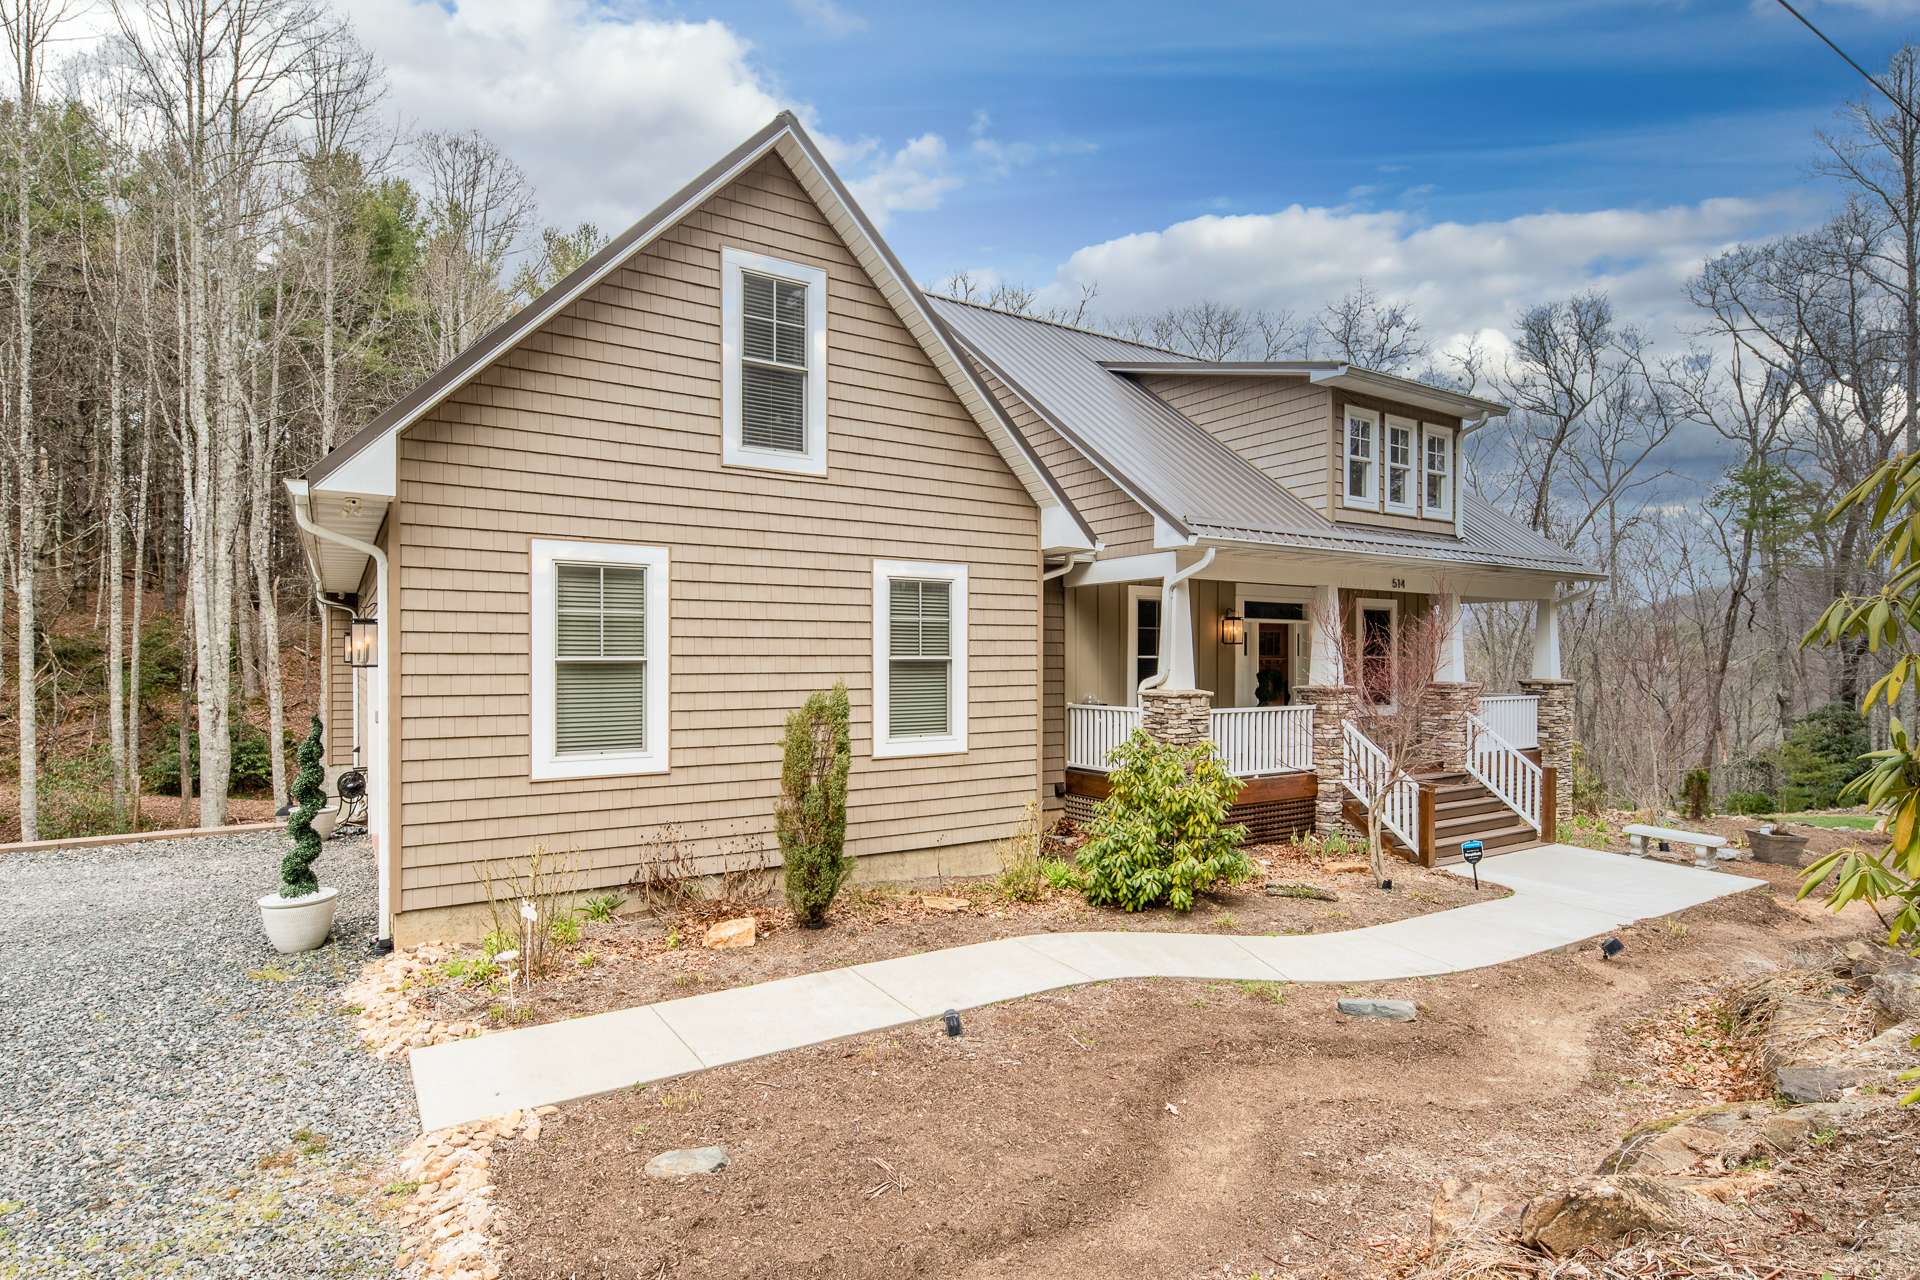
x=251 y=762
x=309 y=797
x=1821 y=755
x=811 y=817
x=1753 y=803
x=1059 y=875
x=599 y=907
x=1161 y=835
x=564 y=929
x=76 y=795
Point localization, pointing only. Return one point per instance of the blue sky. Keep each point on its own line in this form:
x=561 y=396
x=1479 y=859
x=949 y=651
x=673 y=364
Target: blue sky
x=1471 y=157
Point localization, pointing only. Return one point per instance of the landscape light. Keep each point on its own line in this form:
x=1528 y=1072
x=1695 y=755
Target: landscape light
x=953 y=1023
x=1611 y=948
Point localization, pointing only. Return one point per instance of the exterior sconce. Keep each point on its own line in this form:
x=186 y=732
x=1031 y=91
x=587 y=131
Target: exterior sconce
x=1233 y=628
x=363 y=642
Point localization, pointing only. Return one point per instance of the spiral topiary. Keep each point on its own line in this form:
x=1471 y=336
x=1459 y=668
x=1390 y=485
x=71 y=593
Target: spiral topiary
x=296 y=869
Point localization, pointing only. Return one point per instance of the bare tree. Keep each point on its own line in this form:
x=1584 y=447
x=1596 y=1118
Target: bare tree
x=479 y=205
x=1362 y=328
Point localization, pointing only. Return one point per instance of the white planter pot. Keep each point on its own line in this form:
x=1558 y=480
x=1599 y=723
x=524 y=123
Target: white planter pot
x=298 y=924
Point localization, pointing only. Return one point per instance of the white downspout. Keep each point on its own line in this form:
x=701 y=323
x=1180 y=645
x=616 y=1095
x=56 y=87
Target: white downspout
x=1176 y=628
x=377 y=806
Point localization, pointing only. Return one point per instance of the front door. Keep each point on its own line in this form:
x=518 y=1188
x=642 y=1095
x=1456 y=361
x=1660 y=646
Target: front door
x=1271 y=648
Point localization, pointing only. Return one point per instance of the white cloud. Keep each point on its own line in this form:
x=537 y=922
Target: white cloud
x=1464 y=278
x=916 y=177
x=829 y=17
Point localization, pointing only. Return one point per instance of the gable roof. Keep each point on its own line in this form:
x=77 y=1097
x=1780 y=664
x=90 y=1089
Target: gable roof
x=1083 y=385
x=1062 y=526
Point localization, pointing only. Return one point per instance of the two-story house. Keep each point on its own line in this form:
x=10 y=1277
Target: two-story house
x=575 y=581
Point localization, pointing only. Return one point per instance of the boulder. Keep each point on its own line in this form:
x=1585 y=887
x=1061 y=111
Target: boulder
x=1812 y=1083
x=1897 y=995
x=1464 y=1208
x=739 y=932
x=689 y=1162
x=1595 y=1210
x=1387 y=1010
x=1705 y=1142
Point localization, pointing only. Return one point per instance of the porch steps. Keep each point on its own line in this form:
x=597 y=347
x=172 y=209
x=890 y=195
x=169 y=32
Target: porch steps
x=1462 y=810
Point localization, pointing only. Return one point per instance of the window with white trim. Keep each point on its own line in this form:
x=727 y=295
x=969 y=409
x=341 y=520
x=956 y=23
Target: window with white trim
x=773 y=363
x=1437 y=471
x=1401 y=437
x=599 y=657
x=1361 y=485
x=1143 y=643
x=919 y=658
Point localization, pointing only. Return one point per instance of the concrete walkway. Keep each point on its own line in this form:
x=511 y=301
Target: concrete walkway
x=1561 y=895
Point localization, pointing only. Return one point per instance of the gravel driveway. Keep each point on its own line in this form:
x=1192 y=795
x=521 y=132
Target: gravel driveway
x=174 y=1097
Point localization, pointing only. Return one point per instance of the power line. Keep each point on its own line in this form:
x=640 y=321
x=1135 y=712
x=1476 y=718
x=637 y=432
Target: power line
x=1870 y=77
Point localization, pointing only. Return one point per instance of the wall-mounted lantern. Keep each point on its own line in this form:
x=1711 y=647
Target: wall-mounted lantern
x=363 y=642
x=1233 y=628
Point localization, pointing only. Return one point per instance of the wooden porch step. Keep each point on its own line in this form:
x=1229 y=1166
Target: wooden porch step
x=1506 y=839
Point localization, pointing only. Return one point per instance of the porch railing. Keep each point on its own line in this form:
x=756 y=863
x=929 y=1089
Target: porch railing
x=1256 y=740
x=1501 y=769
x=1251 y=740
x=1514 y=716
x=1368 y=773
x=1093 y=732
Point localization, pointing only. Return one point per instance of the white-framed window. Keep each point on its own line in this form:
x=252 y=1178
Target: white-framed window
x=1143 y=637
x=1360 y=485
x=1436 y=468
x=919 y=658
x=599 y=655
x=1402 y=437
x=773 y=363
x=1376 y=634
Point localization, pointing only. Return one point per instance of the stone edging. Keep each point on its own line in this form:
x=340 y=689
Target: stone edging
x=447 y=1218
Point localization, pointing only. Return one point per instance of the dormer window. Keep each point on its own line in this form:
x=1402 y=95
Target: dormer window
x=773 y=363
x=1362 y=470
x=1437 y=472
x=1399 y=495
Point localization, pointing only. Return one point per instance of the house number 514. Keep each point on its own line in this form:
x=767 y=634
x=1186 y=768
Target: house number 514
x=1399 y=584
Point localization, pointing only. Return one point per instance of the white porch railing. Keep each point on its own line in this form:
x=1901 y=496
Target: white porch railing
x=1251 y=740
x=1502 y=770
x=1368 y=773
x=1093 y=732
x=1514 y=716
x=1256 y=740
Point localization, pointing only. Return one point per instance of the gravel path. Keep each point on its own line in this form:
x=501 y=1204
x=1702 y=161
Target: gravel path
x=174 y=1097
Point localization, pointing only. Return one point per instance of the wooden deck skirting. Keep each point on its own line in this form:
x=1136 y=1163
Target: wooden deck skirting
x=1274 y=807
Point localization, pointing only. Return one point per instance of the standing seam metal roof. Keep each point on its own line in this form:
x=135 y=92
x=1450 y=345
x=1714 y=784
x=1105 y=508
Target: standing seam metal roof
x=1186 y=474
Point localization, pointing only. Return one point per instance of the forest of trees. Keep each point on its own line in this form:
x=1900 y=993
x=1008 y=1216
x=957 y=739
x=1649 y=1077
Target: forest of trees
x=220 y=255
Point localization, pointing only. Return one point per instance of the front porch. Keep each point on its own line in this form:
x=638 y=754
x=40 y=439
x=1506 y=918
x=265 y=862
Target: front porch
x=1258 y=663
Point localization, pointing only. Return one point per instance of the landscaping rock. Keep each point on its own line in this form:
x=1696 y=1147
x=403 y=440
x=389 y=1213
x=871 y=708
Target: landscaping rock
x=942 y=902
x=1294 y=889
x=1463 y=1208
x=1595 y=1210
x=688 y=1162
x=740 y=932
x=1812 y=1083
x=1387 y=1010
x=1897 y=995
x=1709 y=1141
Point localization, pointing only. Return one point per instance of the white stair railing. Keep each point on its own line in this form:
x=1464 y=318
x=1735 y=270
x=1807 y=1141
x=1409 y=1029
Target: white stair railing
x=1501 y=769
x=1514 y=716
x=1093 y=731
x=1368 y=773
x=1257 y=740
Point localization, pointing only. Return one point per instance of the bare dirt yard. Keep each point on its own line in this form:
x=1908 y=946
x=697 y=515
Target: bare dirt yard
x=1190 y=1129
x=638 y=957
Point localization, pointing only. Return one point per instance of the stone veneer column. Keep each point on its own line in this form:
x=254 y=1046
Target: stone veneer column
x=1332 y=704
x=1179 y=716
x=1556 y=738
x=1443 y=733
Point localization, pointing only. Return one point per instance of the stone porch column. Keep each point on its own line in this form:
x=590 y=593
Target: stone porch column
x=1178 y=716
x=1443 y=728
x=1556 y=737
x=1332 y=704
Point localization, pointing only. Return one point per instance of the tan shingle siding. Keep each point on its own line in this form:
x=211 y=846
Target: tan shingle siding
x=605 y=426
x=1277 y=424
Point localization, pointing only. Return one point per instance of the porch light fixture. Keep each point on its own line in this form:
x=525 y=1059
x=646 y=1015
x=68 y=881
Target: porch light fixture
x=363 y=647
x=1233 y=628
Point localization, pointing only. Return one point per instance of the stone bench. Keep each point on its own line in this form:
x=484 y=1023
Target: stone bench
x=1707 y=849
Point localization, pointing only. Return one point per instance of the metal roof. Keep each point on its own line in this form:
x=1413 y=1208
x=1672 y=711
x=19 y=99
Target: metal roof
x=1181 y=472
